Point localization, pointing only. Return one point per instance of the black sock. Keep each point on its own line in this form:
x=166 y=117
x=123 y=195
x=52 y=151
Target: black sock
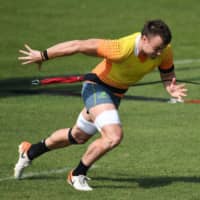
x=37 y=149
x=81 y=169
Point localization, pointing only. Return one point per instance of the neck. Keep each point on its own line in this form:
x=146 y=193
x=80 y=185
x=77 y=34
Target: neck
x=140 y=50
x=142 y=56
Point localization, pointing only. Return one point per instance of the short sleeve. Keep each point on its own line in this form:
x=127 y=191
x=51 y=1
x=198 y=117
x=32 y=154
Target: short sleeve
x=113 y=50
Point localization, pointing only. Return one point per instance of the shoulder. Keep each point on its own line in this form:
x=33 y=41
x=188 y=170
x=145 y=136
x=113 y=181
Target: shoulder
x=130 y=39
x=117 y=49
x=128 y=43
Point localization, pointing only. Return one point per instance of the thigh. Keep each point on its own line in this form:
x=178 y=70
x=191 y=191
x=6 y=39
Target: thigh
x=106 y=118
x=103 y=117
x=101 y=108
x=85 y=123
x=96 y=110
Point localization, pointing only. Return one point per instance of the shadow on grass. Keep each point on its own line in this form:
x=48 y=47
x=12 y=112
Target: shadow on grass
x=148 y=182
x=42 y=177
x=22 y=87
x=121 y=182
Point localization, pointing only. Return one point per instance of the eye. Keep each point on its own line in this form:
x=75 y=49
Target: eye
x=159 y=49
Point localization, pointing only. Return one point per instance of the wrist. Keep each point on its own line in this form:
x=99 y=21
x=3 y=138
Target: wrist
x=44 y=55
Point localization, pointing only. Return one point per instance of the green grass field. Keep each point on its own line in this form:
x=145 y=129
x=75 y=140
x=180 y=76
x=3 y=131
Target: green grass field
x=159 y=156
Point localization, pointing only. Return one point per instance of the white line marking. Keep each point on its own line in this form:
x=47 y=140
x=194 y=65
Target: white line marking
x=31 y=174
x=48 y=172
x=186 y=61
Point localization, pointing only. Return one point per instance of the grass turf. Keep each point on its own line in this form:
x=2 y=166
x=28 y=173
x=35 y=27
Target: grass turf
x=158 y=158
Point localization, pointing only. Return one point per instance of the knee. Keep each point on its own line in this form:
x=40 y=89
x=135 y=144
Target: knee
x=80 y=140
x=116 y=140
x=76 y=136
x=113 y=140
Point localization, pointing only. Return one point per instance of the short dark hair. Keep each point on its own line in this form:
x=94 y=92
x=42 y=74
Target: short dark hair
x=157 y=27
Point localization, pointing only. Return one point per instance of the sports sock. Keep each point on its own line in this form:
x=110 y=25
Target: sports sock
x=37 y=150
x=81 y=169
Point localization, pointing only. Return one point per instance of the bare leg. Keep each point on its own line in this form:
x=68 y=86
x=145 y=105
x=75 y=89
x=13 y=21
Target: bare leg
x=59 y=138
x=111 y=136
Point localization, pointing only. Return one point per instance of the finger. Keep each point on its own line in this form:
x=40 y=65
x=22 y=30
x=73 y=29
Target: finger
x=24 y=52
x=181 y=86
x=183 y=94
x=184 y=90
x=27 y=47
x=24 y=58
x=173 y=81
x=27 y=62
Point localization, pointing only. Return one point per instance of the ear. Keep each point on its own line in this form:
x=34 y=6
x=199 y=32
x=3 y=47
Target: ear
x=144 y=38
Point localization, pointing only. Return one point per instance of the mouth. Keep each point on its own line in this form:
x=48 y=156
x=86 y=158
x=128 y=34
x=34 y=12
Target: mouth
x=153 y=56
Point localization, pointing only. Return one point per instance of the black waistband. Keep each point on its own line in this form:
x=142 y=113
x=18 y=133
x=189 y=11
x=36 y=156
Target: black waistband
x=93 y=77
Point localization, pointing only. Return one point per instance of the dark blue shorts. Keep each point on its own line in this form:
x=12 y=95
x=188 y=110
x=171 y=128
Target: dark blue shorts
x=94 y=94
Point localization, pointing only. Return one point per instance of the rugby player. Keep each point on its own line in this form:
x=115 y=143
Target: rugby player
x=124 y=62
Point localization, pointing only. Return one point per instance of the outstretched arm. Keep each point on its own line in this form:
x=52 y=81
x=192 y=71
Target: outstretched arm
x=88 y=47
x=175 y=90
